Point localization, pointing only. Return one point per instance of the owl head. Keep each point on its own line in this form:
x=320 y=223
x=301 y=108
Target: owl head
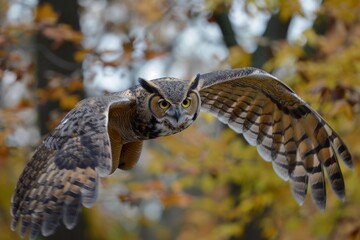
x=174 y=104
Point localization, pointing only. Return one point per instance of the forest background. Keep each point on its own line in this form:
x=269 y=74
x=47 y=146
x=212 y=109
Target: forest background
x=206 y=182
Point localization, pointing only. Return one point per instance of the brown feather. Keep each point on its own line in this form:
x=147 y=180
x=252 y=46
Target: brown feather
x=130 y=154
x=63 y=173
x=284 y=128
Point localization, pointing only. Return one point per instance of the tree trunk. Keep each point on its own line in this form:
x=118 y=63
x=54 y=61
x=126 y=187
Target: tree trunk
x=59 y=60
x=276 y=30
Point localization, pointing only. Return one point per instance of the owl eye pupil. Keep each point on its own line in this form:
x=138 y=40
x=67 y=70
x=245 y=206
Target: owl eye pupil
x=164 y=104
x=186 y=103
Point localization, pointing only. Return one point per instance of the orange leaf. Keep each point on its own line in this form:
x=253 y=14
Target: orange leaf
x=58 y=93
x=25 y=103
x=62 y=32
x=2 y=138
x=149 y=54
x=76 y=85
x=42 y=95
x=70 y=34
x=174 y=199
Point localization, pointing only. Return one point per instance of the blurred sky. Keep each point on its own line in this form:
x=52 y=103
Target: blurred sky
x=199 y=38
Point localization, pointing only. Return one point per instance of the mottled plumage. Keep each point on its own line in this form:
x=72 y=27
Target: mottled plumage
x=104 y=133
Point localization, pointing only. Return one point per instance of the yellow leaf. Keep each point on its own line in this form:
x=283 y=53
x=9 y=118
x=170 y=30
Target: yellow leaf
x=80 y=55
x=45 y=13
x=342 y=106
x=208 y=118
x=68 y=102
x=289 y=8
x=238 y=57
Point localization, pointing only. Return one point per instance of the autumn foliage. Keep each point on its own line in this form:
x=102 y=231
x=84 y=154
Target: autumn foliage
x=207 y=182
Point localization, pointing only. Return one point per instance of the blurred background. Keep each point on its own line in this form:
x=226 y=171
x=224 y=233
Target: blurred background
x=206 y=183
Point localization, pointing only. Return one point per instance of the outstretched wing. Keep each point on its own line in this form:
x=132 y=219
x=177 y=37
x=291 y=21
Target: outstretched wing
x=285 y=130
x=63 y=173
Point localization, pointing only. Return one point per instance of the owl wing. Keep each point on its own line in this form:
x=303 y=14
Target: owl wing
x=63 y=172
x=285 y=130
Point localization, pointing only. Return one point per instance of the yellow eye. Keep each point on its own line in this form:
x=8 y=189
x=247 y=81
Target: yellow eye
x=164 y=104
x=186 y=103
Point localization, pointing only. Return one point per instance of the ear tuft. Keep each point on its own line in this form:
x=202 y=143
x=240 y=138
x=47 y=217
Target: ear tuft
x=148 y=86
x=195 y=82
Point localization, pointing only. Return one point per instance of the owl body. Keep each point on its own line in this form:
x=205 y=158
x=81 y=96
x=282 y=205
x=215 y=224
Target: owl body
x=102 y=134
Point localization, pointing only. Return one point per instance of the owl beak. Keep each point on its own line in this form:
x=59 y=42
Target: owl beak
x=177 y=116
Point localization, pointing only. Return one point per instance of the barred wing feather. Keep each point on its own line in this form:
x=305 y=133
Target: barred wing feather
x=285 y=130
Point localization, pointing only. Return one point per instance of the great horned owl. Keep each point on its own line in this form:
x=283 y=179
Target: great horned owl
x=104 y=133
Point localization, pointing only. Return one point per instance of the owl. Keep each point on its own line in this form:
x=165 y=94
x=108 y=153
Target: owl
x=104 y=133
